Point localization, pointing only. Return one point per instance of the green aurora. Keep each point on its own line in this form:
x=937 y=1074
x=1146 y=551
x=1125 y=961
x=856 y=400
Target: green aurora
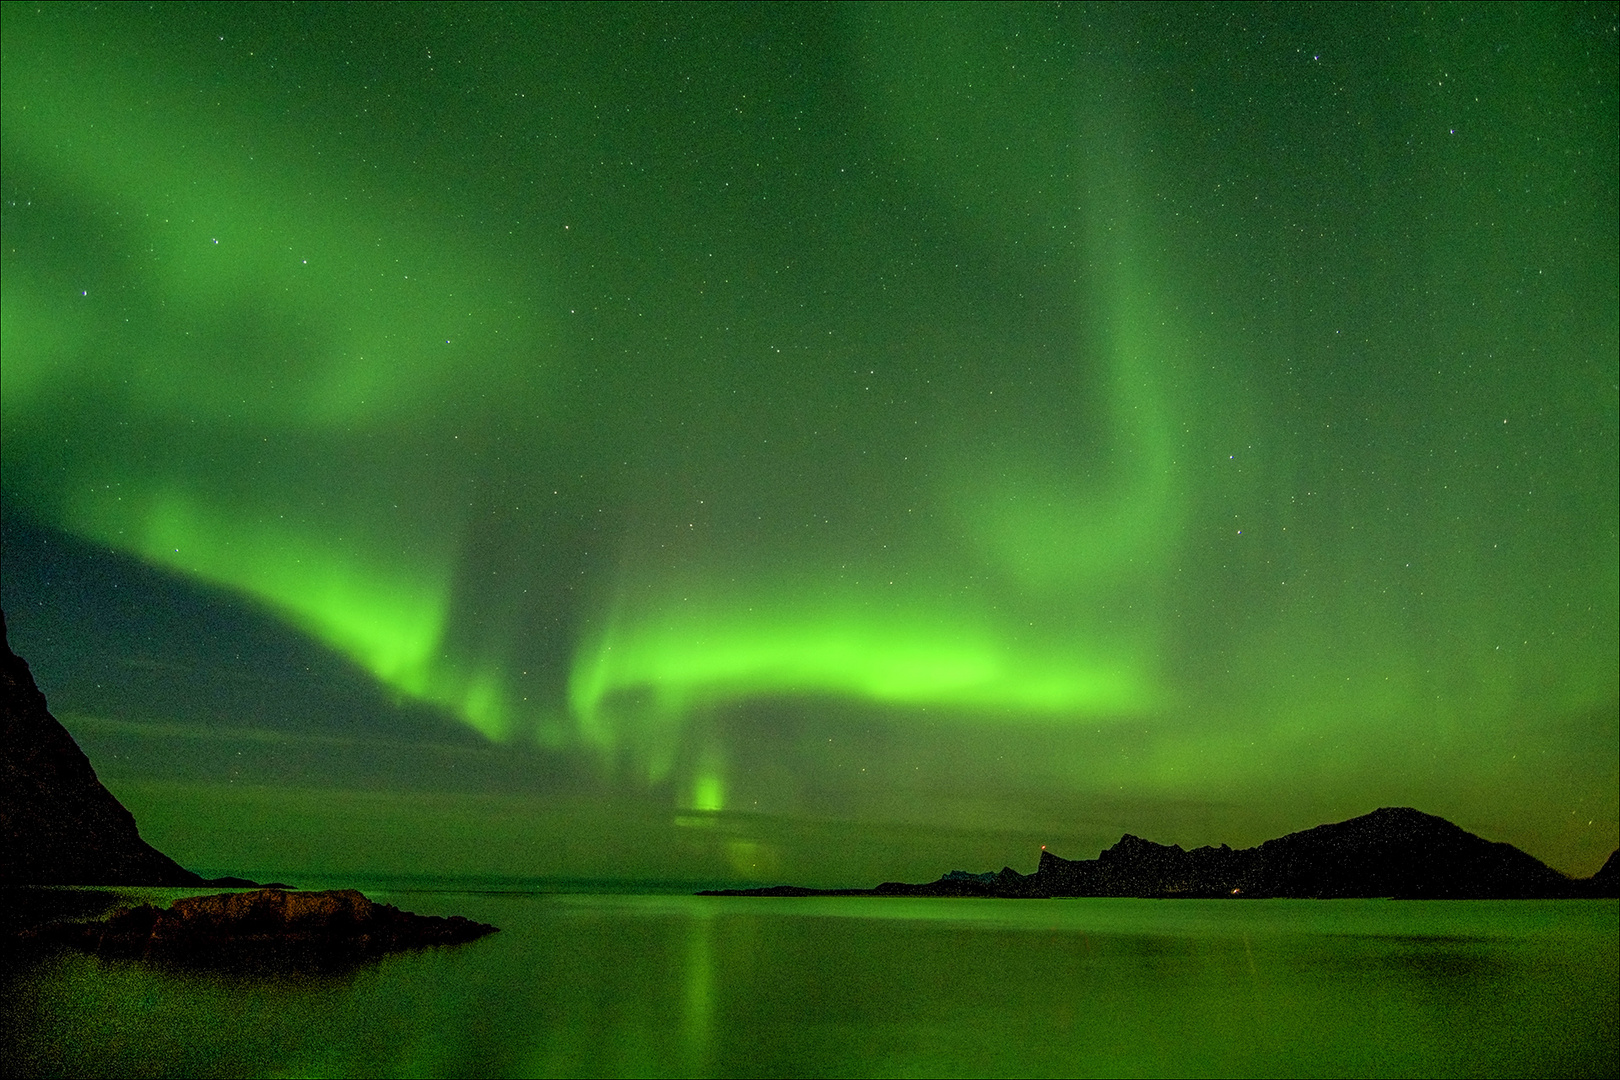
x=779 y=436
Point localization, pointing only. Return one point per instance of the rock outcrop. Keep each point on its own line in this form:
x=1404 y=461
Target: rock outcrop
x=58 y=824
x=267 y=926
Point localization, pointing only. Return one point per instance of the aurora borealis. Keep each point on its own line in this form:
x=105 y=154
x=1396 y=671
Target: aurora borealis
x=937 y=427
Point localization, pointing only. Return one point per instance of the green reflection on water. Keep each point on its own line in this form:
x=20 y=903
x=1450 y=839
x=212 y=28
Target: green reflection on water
x=654 y=985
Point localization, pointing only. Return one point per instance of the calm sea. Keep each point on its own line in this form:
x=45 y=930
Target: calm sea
x=642 y=985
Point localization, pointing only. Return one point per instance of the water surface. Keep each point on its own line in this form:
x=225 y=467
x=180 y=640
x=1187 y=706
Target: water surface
x=611 y=985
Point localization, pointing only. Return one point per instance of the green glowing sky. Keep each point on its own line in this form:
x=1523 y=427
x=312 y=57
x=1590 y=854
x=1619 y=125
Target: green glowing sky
x=814 y=442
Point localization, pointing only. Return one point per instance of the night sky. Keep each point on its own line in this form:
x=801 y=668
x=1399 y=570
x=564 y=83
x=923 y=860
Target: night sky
x=814 y=443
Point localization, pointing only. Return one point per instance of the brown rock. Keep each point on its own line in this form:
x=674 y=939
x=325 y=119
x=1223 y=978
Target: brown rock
x=267 y=925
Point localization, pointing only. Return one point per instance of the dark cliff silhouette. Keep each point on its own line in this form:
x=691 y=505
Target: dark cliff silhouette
x=1393 y=852
x=58 y=825
x=1606 y=882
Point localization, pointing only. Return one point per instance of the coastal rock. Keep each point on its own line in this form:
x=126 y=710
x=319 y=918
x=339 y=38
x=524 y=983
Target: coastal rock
x=269 y=924
x=60 y=827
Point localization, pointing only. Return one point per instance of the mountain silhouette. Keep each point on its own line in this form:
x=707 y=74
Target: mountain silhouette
x=58 y=824
x=1394 y=852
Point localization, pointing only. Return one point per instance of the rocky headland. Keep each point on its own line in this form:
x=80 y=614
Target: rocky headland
x=59 y=826
x=1393 y=852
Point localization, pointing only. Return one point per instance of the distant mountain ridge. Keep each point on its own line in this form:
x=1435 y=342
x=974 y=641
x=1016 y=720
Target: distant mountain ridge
x=1395 y=852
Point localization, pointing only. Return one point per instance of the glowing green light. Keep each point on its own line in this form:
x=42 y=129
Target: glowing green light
x=389 y=619
x=684 y=658
x=1072 y=418
x=709 y=793
x=277 y=313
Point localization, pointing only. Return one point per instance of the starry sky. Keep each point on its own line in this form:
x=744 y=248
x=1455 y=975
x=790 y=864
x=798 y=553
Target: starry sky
x=817 y=443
